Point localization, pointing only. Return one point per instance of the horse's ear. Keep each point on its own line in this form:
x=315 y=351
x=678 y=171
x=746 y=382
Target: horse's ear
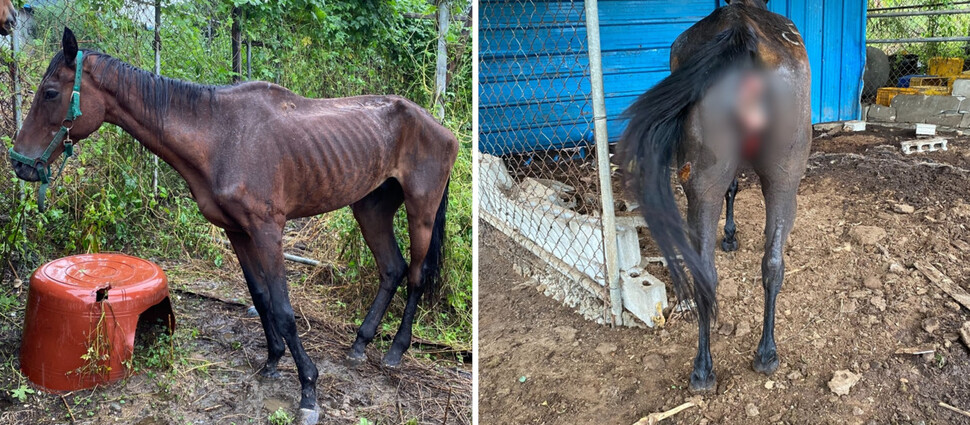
x=69 y=44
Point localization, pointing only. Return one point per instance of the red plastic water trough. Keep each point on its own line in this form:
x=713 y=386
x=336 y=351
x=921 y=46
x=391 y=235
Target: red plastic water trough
x=82 y=314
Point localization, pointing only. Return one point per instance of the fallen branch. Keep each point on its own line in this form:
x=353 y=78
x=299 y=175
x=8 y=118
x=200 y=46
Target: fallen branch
x=954 y=409
x=655 y=418
x=944 y=282
x=290 y=257
x=916 y=351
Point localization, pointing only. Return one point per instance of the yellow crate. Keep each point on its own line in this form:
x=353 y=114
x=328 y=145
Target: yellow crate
x=933 y=91
x=929 y=81
x=964 y=76
x=885 y=95
x=946 y=67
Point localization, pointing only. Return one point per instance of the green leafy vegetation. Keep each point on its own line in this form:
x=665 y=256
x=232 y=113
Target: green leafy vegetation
x=106 y=199
x=280 y=417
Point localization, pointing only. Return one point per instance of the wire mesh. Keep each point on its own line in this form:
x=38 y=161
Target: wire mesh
x=928 y=40
x=538 y=178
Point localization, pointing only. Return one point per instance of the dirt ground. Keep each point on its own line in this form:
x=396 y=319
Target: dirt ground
x=219 y=349
x=845 y=304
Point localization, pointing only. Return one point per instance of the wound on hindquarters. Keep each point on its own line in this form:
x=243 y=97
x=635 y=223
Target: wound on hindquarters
x=684 y=173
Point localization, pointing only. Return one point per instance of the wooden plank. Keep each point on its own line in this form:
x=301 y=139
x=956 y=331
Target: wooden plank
x=944 y=282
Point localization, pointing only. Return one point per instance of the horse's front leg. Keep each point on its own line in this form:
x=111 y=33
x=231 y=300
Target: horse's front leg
x=264 y=255
x=242 y=244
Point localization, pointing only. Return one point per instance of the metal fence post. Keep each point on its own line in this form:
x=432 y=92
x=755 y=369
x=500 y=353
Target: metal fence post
x=18 y=115
x=603 y=160
x=158 y=71
x=441 y=68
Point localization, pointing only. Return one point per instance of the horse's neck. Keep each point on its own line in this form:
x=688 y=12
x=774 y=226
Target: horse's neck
x=126 y=108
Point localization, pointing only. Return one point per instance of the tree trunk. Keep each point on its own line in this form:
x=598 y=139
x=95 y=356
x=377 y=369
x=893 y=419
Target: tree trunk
x=236 y=44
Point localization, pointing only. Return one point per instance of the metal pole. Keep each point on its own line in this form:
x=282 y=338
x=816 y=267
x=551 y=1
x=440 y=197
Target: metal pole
x=158 y=71
x=249 y=59
x=18 y=115
x=441 y=68
x=603 y=160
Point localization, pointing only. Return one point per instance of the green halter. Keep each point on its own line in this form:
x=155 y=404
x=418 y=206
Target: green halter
x=63 y=136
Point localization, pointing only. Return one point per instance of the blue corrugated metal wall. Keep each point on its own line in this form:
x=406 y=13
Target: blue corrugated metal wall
x=533 y=76
x=534 y=81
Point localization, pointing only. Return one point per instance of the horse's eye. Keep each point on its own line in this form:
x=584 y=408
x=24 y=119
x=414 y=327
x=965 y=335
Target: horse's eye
x=50 y=94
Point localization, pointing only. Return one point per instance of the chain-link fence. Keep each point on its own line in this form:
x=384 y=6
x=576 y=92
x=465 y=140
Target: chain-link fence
x=539 y=179
x=918 y=45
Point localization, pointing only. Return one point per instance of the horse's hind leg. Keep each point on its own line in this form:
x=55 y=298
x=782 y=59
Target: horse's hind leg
x=264 y=254
x=422 y=206
x=375 y=214
x=242 y=245
x=730 y=241
x=703 y=211
x=779 y=190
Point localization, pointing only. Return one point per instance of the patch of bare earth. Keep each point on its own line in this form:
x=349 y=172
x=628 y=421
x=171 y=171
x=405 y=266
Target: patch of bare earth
x=852 y=297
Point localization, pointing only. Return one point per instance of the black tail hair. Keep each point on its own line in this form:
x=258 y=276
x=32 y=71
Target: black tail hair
x=433 y=261
x=647 y=148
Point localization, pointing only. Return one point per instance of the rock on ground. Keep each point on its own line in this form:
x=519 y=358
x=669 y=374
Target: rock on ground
x=606 y=348
x=654 y=362
x=842 y=381
x=751 y=410
x=867 y=235
x=904 y=209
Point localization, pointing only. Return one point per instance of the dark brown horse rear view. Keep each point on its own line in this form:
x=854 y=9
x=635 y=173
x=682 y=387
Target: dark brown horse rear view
x=255 y=155
x=738 y=91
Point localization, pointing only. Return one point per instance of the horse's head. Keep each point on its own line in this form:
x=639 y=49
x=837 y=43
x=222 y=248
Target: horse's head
x=36 y=144
x=8 y=17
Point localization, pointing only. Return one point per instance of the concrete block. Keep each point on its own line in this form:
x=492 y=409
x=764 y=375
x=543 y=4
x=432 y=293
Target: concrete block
x=643 y=295
x=965 y=123
x=946 y=119
x=827 y=126
x=854 y=126
x=571 y=237
x=879 y=113
x=924 y=145
x=961 y=88
x=925 y=130
x=916 y=108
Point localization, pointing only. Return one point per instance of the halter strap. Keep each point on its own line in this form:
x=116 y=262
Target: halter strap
x=63 y=137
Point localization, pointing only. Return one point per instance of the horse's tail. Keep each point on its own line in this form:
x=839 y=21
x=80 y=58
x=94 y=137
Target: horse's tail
x=433 y=261
x=647 y=147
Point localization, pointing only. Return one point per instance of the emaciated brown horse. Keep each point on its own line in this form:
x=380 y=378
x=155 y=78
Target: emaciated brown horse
x=739 y=90
x=8 y=17
x=256 y=155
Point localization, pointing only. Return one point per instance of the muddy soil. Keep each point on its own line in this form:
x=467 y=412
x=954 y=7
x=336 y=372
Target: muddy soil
x=847 y=303
x=219 y=348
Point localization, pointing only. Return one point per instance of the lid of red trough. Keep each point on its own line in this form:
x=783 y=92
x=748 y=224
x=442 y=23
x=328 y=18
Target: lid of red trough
x=118 y=277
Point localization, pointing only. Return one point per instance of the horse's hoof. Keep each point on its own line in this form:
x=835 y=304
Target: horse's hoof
x=706 y=385
x=767 y=365
x=309 y=416
x=391 y=361
x=729 y=246
x=355 y=360
x=269 y=373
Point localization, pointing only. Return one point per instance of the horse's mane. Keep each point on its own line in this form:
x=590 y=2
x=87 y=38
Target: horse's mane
x=158 y=93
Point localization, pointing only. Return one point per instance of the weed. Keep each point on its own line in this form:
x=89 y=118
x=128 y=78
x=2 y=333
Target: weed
x=280 y=417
